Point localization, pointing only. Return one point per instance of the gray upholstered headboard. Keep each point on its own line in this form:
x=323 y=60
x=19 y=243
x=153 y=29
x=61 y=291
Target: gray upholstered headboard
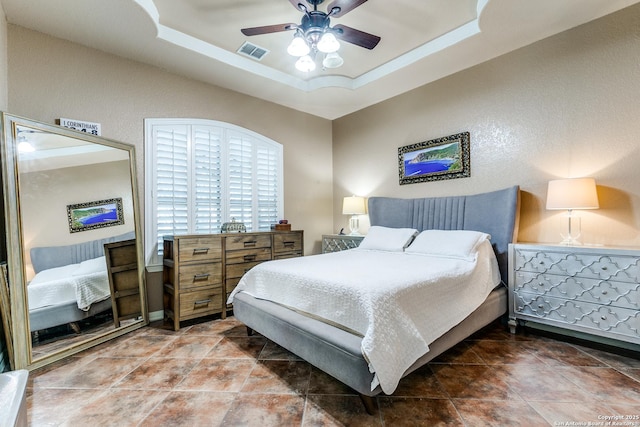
x=496 y=213
x=43 y=258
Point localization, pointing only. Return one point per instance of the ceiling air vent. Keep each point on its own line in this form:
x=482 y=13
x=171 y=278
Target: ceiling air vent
x=252 y=51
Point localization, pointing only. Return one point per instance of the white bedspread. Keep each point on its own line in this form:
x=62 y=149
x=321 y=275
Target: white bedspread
x=398 y=302
x=85 y=283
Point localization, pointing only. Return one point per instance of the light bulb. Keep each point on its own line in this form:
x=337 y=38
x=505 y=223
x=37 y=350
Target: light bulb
x=332 y=60
x=298 y=47
x=305 y=64
x=25 y=147
x=328 y=43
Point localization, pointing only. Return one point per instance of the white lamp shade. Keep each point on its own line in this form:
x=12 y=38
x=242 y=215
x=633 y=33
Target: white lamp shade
x=332 y=60
x=305 y=64
x=574 y=193
x=298 y=47
x=353 y=205
x=328 y=43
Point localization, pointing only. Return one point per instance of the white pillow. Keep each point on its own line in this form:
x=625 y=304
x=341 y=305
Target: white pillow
x=388 y=239
x=91 y=266
x=461 y=244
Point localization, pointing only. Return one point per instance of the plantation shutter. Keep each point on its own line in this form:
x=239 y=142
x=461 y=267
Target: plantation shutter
x=203 y=174
x=207 y=158
x=240 y=179
x=172 y=181
x=268 y=185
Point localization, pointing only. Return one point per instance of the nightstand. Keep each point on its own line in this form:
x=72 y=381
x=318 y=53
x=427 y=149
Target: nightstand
x=339 y=242
x=593 y=290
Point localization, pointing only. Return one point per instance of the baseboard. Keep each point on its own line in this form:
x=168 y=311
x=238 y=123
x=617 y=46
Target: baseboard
x=156 y=315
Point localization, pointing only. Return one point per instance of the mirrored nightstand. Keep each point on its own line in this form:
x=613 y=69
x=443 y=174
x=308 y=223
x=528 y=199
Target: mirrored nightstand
x=339 y=242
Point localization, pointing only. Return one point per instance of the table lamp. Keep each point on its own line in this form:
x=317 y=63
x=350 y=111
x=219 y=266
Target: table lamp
x=570 y=194
x=353 y=206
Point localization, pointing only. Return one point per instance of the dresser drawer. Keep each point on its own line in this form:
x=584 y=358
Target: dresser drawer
x=604 y=318
x=230 y=285
x=287 y=242
x=200 y=275
x=285 y=255
x=200 y=249
x=247 y=255
x=238 y=270
x=247 y=241
x=200 y=303
x=620 y=268
x=618 y=294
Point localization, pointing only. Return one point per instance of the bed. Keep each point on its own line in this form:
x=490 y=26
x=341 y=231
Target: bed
x=71 y=283
x=346 y=352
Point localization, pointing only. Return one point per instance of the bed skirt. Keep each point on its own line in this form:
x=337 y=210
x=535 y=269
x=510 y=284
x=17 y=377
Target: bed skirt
x=338 y=352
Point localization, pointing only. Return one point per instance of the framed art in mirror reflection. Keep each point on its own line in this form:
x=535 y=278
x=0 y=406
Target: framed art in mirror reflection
x=98 y=214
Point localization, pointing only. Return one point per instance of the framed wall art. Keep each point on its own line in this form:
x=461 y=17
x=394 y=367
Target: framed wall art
x=98 y=214
x=435 y=160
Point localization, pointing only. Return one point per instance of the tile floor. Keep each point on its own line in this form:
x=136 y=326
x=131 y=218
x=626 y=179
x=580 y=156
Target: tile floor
x=212 y=374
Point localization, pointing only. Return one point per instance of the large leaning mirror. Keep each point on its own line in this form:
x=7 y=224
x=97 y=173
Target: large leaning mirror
x=73 y=250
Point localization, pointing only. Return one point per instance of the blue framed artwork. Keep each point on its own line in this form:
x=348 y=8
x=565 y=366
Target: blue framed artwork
x=435 y=160
x=92 y=215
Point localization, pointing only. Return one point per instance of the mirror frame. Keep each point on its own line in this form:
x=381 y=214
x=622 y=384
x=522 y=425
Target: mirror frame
x=21 y=334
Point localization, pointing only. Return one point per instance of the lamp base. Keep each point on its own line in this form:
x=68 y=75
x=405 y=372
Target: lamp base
x=571 y=241
x=354 y=226
x=574 y=232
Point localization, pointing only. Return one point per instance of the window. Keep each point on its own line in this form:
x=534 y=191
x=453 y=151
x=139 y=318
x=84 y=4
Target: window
x=200 y=174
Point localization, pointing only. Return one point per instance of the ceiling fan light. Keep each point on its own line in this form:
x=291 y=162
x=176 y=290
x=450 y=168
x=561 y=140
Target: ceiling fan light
x=328 y=43
x=25 y=146
x=298 y=47
x=305 y=64
x=332 y=60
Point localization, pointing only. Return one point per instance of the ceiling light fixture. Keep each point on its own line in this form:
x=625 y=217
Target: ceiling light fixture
x=315 y=34
x=332 y=60
x=24 y=146
x=310 y=39
x=305 y=64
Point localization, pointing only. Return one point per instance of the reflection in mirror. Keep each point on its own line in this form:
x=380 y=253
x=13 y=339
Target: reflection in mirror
x=75 y=195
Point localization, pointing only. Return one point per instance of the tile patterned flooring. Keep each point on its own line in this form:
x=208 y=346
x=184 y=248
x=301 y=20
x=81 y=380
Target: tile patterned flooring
x=213 y=374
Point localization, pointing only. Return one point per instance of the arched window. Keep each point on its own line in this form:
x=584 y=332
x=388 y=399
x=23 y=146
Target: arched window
x=200 y=174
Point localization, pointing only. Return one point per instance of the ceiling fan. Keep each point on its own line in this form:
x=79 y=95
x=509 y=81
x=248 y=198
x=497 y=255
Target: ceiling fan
x=314 y=33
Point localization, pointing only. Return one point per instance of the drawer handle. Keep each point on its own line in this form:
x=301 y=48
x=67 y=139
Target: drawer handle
x=203 y=276
x=200 y=251
x=250 y=257
x=540 y=306
x=202 y=302
x=604 y=292
x=250 y=244
x=604 y=267
x=603 y=317
x=289 y=244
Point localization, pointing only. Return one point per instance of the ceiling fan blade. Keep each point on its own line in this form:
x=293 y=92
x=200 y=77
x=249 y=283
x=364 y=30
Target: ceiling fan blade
x=344 y=5
x=254 y=31
x=299 y=4
x=357 y=37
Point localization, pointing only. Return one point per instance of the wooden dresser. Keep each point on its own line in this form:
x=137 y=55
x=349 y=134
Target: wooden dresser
x=124 y=282
x=200 y=271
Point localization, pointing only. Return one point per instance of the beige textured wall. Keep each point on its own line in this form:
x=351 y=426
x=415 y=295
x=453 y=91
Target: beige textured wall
x=51 y=78
x=566 y=106
x=44 y=197
x=3 y=61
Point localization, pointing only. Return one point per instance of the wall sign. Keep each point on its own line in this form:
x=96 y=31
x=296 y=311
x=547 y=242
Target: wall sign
x=89 y=127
